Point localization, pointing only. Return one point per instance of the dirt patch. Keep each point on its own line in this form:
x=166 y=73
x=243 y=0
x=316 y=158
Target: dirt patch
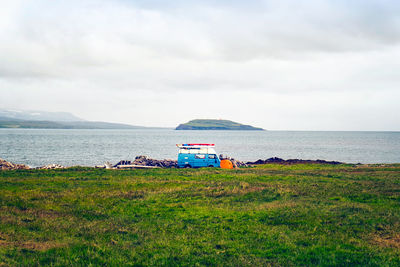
x=32 y=245
x=387 y=241
x=29 y=244
x=222 y=191
x=276 y=205
x=284 y=189
x=125 y=194
x=35 y=213
x=8 y=219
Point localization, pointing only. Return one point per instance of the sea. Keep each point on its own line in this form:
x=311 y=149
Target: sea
x=39 y=147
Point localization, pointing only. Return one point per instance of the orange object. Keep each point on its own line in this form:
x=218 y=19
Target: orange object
x=226 y=164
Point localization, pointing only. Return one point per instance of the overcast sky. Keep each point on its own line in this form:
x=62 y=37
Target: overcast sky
x=280 y=65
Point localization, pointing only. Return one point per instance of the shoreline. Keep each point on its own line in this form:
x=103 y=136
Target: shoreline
x=144 y=162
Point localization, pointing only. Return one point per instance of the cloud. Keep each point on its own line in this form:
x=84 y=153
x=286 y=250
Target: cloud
x=129 y=53
x=96 y=32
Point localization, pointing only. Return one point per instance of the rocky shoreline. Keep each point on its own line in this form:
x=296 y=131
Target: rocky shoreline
x=276 y=160
x=5 y=165
x=146 y=162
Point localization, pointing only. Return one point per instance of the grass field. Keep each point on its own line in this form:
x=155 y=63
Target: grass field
x=269 y=215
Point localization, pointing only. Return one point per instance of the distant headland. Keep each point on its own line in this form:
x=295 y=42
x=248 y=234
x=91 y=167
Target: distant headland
x=206 y=124
x=53 y=120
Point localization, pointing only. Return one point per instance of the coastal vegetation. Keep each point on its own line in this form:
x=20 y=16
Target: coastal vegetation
x=272 y=214
x=206 y=124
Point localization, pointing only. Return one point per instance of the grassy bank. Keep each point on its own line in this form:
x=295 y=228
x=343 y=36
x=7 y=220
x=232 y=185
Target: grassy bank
x=271 y=214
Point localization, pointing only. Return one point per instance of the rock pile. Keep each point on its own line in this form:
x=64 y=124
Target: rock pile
x=166 y=163
x=52 y=167
x=146 y=161
x=239 y=163
x=292 y=161
x=5 y=165
x=236 y=163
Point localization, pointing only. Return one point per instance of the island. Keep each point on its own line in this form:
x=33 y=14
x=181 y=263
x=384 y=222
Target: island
x=208 y=124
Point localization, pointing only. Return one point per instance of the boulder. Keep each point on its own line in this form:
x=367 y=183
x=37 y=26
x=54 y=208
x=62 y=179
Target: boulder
x=292 y=161
x=5 y=165
x=146 y=161
x=52 y=167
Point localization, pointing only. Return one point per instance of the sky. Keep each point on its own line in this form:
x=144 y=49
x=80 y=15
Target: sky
x=279 y=65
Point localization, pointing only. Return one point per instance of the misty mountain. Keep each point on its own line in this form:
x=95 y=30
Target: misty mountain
x=34 y=115
x=53 y=120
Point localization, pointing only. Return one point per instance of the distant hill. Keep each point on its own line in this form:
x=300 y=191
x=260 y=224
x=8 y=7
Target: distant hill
x=53 y=120
x=35 y=115
x=13 y=123
x=216 y=125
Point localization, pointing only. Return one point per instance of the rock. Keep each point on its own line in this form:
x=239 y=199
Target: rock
x=108 y=165
x=236 y=163
x=122 y=162
x=5 y=165
x=51 y=167
x=165 y=163
x=292 y=161
x=146 y=161
x=100 y=166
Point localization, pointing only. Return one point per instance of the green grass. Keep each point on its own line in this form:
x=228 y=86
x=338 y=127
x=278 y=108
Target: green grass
x=270 y=215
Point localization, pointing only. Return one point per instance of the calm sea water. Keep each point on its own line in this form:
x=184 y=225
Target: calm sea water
x=93 y=147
